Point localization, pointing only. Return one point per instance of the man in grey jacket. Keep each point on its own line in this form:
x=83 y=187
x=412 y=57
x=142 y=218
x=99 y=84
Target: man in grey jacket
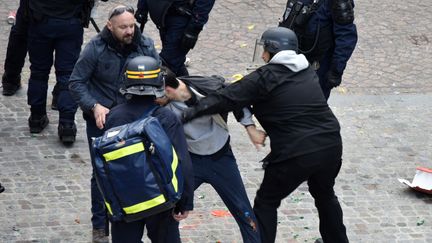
x=95 y=83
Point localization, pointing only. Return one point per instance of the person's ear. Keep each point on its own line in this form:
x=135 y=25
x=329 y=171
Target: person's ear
x=109 y=25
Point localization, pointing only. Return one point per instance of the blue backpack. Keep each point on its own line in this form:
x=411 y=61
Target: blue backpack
x=137 y=169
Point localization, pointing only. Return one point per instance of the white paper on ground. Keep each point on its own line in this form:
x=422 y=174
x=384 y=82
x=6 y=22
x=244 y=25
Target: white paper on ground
x=422 y=180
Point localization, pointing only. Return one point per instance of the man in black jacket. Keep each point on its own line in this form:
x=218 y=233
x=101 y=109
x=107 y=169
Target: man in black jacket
x=305 y=135
x=142 y=86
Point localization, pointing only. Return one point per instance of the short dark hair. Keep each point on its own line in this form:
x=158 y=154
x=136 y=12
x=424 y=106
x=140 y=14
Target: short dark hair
x=170 y=78
x=120 y=9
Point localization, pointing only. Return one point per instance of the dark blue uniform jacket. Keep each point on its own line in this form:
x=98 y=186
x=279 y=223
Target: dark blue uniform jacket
x=344 y=35
x=200 y=9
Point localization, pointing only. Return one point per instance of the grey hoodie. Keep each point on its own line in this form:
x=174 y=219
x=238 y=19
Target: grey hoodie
x=295 y=62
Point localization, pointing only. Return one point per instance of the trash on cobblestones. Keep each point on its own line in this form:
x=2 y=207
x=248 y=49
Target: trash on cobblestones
x=236 y=77
x=11 y=17
x=296 y=199
x=243 y=45
x=14 y=228
x=78 y=221
x=251 y=27
x=341 y=90
x=422 y=180
x=202 y=196
x=220 y=213
x=420 y=222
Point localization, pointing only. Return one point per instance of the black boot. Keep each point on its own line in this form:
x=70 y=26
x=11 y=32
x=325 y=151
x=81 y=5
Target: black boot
x=10 y=85
x=54 y=94
x=37 y=123
x=1 y=188
x=67 y=132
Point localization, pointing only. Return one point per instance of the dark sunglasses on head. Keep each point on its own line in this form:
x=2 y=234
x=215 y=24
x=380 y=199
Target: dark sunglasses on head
x=119 y=10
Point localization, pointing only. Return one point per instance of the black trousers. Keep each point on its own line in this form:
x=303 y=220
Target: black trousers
x=319 y=169
x=161 y=228
x=16 y=49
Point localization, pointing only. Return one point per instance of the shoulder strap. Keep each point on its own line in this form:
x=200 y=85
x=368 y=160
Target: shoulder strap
x=205 y=85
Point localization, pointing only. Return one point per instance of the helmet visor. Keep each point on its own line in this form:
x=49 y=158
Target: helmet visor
x=258 y=50
x=158 y=92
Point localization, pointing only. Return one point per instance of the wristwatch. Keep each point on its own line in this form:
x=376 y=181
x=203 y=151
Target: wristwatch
x=93 y=107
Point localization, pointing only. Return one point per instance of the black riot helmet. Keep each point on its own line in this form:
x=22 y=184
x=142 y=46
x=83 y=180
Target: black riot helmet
x=278 y=39
x=143 y=77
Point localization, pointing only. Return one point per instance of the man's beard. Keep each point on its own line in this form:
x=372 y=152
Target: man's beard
x=127 y=40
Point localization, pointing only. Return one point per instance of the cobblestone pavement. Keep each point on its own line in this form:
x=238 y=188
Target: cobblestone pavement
x=383 y=106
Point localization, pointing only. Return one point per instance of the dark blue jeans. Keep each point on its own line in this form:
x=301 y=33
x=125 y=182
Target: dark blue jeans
x=222 y=173
x=17 y=48
x=319 y=169
x=172 y=54
x=47 y=38
x=99 y=217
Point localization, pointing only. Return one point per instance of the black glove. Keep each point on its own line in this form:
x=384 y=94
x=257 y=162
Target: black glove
x=104 y=0
x=141 y=18
x=190 y=35
x=334 y=78
x=188 y=114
